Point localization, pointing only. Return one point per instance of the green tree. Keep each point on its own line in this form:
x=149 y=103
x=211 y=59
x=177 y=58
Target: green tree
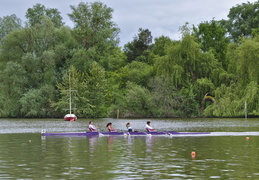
x=230 y=98
x=8 y=24
x=88 y=92
x=165 y=97
x=212 y=37
x=113 y=60
x=182 y=62
x=136 y=102
x=71 y=83
x=96 y=34
x=137 y=72
x=13 y=85
x=243 y=18
x=243 y=61
x=94 y=26
x=39 y=11
x=64 y=47
x=139 y=48
x=36 y=102
x=160 y=45
x=82 y=59
x=96 y=84
x=34 y=40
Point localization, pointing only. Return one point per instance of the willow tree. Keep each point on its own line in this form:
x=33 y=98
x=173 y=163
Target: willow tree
x=167 y=66
x=251 y=98
x=184 y=61
x=243 y=60
x=243 y=64
x=186 y=68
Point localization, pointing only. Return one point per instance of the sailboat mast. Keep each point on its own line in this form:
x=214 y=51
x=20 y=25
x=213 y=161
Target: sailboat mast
x=70 y=99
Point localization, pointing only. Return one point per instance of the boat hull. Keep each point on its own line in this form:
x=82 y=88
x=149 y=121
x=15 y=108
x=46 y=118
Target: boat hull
x=70 y=117
x=123 y=133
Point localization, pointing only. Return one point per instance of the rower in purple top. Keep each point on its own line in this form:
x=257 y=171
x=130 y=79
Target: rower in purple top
x=149 y=128
x=92 y=128
x=110 y=128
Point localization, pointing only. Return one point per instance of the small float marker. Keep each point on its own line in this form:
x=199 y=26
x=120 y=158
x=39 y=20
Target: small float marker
x=193 y=154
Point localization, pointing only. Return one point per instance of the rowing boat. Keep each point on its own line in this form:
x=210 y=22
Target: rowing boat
x=168 y=133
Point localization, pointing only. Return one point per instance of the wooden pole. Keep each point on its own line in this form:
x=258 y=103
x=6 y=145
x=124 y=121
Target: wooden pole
x=245 y=110
x=118 y=113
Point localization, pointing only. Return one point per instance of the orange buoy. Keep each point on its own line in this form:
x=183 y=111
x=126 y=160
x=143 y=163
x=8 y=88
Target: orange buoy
x=193 y=154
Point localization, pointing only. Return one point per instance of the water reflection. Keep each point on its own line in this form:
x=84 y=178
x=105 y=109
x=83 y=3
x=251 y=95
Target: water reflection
x=93 y=143
x=110 y=140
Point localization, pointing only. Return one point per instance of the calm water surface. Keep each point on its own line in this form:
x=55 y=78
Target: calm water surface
x=225 y=154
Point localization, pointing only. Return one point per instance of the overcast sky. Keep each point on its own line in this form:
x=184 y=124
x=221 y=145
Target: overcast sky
x=161 y=17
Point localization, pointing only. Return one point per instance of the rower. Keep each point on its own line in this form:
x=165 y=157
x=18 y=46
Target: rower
x=149 y=128
x=92 y=128
x=129 y=128
x=110 y=128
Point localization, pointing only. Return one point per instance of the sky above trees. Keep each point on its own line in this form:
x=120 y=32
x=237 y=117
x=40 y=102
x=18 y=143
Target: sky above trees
x=163 y=17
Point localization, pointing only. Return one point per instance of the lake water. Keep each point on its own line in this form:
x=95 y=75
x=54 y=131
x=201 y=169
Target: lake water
x=230 y=152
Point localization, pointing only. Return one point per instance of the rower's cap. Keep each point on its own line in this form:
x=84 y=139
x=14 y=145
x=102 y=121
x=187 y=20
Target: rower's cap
x=148 y=122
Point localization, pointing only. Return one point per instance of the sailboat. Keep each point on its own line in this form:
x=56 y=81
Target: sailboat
x=70 y=116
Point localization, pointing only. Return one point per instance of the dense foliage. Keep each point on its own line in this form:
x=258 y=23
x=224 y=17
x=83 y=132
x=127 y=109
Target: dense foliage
x=211 y=71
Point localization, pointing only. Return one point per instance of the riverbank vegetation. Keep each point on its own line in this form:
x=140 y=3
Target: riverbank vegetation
x=211 y=71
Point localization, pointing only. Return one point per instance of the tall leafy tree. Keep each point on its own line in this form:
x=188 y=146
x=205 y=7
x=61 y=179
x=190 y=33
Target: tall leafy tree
x=137 y=72
x=139 y=48
x=94 y=25
x=97 y=90
x=13 y=85
x=8 y=24
x=38 y=11
x=42 y=51
x=165 y=97
x=36 y=102
x=160 y=45
x=136 y=102
x=243 y=18
x=34 y=40
x=212 y=37
x=96 y=34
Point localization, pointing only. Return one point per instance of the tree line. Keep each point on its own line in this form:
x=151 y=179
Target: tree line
x=212 y=71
